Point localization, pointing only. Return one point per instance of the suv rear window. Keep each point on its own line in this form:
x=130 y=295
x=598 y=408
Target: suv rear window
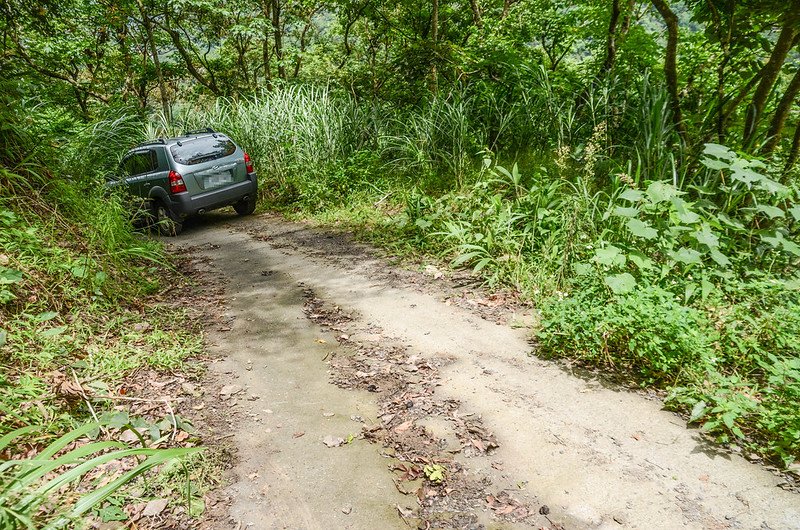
x=200 y=150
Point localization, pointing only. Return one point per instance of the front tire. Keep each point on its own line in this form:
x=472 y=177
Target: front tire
x=167 y=223
x=245 y=207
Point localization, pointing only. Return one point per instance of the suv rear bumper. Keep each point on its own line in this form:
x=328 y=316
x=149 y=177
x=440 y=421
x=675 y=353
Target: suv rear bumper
x=184 y=205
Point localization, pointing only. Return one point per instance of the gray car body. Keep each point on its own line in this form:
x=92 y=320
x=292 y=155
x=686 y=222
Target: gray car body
x=147 y=177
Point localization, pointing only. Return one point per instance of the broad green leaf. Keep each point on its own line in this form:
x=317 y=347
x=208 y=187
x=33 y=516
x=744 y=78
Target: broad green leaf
x=197 y=505
x=683 y=209
x=463 y=258
x=774 y=239
x=744 y=175
x=707 y=288
x=788 y=246
x=620 y=283
x=771 y=186
x=117 y=419
x=728 y=418
x=795 y=211
x=631 y=195
x=688 y=256
x=626 y=212
x=730 y=222
x=52 y=332
x=3 y=337
x=609 y=256
x=659 y=191
x=688 y=291
x=79 y=271
x=710 y=163
x=9 y=276
x=581 y=269
x=720 y=258
x=707 y=237
x=698 y=411
x=640 y=260
x=44 y=317
x=771 y=211
x=642 y=229
x=719 y=151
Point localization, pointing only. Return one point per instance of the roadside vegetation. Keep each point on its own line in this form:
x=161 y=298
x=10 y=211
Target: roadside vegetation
x=80 y=315
x=629 y=167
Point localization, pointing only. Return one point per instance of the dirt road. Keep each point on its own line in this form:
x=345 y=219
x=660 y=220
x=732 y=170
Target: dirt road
x=359 y=395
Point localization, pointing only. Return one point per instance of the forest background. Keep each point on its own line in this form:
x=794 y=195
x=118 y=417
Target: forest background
x=629 y=167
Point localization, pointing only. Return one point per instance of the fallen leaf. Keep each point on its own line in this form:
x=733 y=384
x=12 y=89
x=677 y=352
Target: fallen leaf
x=333 y=441
x=298 y=434
x=154 y=507
x=404 y=426
x=478 y=445
x=181 y=436
x=404 y=512
x=230 y=390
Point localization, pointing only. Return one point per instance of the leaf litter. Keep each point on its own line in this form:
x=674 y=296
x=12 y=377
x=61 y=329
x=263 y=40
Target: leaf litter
x=443 y=491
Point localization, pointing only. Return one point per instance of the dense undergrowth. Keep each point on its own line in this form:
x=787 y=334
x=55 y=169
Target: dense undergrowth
x=675 y=270
x=80 y=313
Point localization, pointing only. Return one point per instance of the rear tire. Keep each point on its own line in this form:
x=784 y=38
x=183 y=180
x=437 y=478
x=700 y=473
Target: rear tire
x=245 y=207
x=166 y=222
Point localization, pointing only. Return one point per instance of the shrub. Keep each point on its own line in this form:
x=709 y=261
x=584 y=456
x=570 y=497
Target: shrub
x=646 y=332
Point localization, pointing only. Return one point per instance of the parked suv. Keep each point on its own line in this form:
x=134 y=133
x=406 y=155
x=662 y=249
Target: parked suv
x=188 y=175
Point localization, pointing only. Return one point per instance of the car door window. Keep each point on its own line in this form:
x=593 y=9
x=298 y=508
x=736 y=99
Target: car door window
x=140 y=163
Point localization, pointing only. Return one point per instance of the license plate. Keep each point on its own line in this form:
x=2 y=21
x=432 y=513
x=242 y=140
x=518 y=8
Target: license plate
x=218 y=179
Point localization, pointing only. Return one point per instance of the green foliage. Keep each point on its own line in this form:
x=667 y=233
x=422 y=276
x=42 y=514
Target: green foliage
x=434 y=473
x=75 y=282
x=645 y=331
x=30 y=489
x=691 y=288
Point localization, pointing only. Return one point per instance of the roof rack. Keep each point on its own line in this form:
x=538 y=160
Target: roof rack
x=159 y=141
x=208 y=130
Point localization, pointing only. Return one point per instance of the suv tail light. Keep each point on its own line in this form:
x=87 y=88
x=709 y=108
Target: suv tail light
x=176 y=183
x=248 y=164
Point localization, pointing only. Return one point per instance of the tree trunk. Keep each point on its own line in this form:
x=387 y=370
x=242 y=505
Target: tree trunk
x=671 y=64
x=278 y=33
x=162 y=90
x=434 y=39
x=795 y=150
x=769 y=74
x=303 y=34
x=507 y=7
x=477 y=19
x=210 y=83
x=611 y=41
x=266 y=55
x=781 y=113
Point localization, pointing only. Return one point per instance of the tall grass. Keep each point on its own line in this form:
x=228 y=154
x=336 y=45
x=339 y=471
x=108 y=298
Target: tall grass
x=309 y=141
